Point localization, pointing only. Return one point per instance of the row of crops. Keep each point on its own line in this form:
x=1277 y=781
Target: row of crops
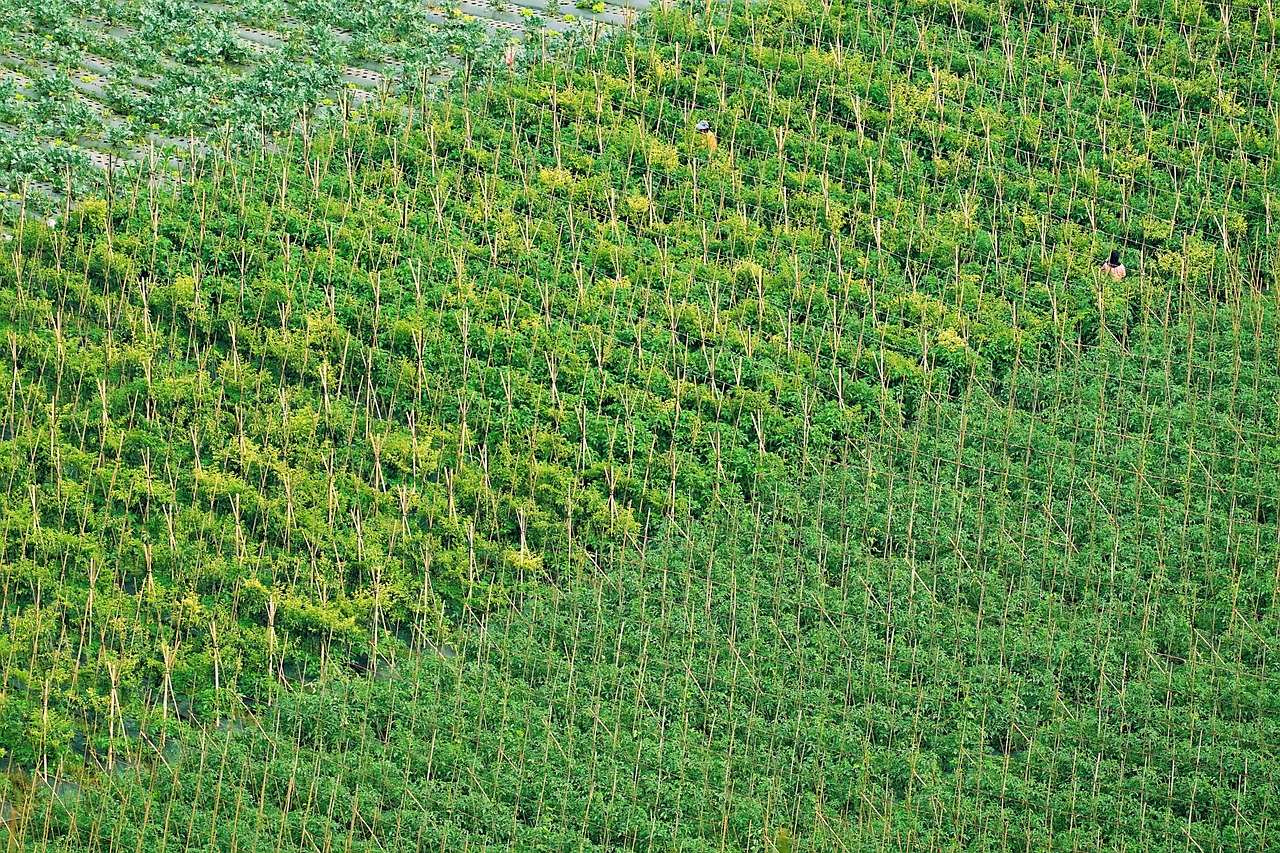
x=88 y=86
x=522 y=471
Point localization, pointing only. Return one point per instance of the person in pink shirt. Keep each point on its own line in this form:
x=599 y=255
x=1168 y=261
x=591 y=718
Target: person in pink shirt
x=1113 y=266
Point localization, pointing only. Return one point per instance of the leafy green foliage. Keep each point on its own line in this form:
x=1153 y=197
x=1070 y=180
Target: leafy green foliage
x=811 y=491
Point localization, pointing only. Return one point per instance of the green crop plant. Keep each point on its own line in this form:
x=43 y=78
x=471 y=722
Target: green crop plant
x=498 y=465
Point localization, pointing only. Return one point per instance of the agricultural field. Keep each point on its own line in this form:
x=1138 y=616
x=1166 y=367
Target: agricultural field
x=483 y=457
x=87 y=86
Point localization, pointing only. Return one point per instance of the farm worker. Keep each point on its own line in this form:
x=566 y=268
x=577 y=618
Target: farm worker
x=1113 y=266
x=509 y=55
x=704 y=127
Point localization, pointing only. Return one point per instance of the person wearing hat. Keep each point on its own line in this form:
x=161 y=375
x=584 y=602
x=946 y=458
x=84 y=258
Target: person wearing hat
x=1113 y=266
x=704 y=127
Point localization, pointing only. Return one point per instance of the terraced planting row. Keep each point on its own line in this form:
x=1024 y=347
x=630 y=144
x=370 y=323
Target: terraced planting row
x=87 y=87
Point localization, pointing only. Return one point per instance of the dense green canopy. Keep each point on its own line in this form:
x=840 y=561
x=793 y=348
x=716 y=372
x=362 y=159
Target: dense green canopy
x=814 y=490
